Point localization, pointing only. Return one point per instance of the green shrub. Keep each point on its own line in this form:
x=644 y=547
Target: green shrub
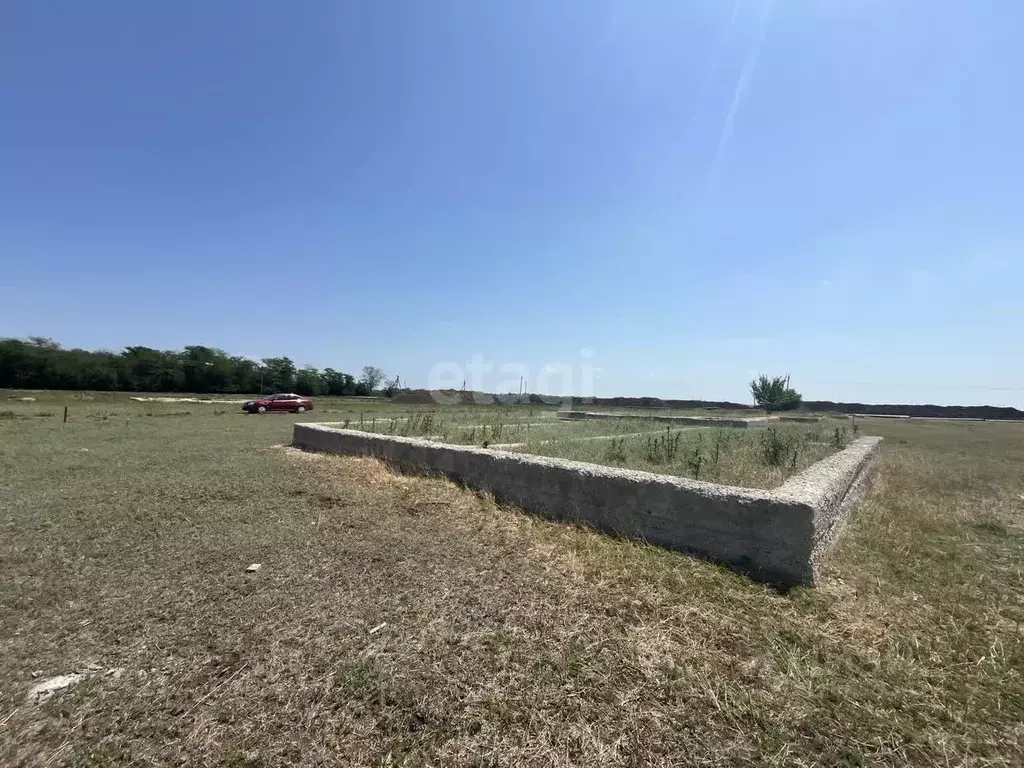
x=774 y=393
x=616 y=452
x=662 y=449
x=695 y=461
x=777 y=448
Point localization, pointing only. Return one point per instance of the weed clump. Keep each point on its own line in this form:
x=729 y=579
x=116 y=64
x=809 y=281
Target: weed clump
x=694 y=462
x=616 y=452
x=663 y=448
x=778 y=448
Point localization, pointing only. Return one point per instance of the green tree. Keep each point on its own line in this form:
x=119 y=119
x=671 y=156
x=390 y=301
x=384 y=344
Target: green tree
x=206 y=369
x=309 y=381
x=245 y=375
x=773 y=393
x=370 y=380
x=44 y=342
x=16 y=364
x=100 y=370
x=152 y=370
x=41 y=363
x=278 y=374
x=339 y=383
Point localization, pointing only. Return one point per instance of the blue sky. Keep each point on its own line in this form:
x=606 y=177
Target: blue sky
x=677 y=194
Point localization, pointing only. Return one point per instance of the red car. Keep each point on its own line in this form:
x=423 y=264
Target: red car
x=286 y=402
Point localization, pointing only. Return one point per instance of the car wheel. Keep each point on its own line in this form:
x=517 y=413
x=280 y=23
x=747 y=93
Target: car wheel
x=301 y=409
x=261 y=409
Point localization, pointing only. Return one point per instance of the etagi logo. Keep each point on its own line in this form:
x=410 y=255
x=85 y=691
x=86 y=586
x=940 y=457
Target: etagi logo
x=480 y=375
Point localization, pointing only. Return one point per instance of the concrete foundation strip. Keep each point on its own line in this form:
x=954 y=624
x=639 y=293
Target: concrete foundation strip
x=457 y=426
x=779 y=537
x=508 y=446
x=697 y=421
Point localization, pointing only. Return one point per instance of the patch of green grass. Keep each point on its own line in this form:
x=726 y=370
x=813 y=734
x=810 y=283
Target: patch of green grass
x=751 y=458
x=493 y=425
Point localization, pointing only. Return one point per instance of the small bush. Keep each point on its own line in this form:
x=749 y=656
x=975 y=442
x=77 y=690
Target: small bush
x=616 y=452
x=695 y=461
x=664 y=448
x=8 y=415
x=777 y=447
x=815 y=434
x=496 y=429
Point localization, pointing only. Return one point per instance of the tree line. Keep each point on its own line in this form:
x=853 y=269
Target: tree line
x=41 y=363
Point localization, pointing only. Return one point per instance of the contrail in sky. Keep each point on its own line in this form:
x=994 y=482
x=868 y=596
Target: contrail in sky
x=716 y=62
x=749 y=65
x=705 y=85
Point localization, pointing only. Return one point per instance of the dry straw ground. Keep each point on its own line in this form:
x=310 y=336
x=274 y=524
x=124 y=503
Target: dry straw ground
x=402 y=621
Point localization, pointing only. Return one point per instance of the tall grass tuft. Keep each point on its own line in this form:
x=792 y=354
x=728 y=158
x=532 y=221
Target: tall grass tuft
x=694 y=462
x=616 y=452
x=777 y=448
x=663 y=448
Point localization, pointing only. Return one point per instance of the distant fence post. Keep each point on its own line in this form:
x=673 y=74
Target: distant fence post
x=65 y=414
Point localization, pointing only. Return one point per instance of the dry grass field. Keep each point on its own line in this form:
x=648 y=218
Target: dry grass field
x=401 y=621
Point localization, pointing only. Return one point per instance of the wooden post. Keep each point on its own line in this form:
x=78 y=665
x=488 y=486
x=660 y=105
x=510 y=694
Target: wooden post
x=65 y=414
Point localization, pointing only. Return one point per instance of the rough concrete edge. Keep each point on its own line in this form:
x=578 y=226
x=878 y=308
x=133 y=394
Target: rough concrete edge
x=826 y=481
x=833 y=487
x=600 y=470
x=825 y=539
x=703 y=421
x=792 y=565
x=829 y=488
